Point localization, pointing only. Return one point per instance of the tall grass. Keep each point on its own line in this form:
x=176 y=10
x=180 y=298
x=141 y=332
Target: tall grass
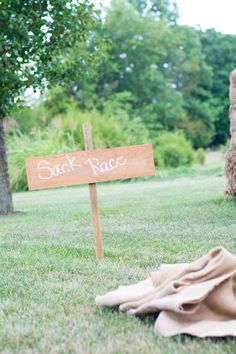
x=44 y=134
x=37 y=143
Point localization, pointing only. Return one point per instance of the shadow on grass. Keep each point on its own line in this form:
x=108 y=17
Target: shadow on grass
x=12 y=213
x=149 y=321
x=184 y=338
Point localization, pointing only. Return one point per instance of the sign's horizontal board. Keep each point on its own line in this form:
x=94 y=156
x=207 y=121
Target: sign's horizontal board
x=89 y=166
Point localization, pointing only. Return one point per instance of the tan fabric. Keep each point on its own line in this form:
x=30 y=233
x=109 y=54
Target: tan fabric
x=197 y=298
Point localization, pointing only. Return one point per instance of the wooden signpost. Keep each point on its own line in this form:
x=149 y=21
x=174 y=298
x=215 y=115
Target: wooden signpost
x=89 y=167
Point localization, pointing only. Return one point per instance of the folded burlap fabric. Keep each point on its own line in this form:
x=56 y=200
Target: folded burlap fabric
x=197 y=298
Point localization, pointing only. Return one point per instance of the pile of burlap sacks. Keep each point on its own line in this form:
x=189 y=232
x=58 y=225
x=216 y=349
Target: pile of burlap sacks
x=197 y=298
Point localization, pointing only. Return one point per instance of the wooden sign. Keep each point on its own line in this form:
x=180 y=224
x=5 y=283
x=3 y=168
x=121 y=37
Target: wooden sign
x=90 y=167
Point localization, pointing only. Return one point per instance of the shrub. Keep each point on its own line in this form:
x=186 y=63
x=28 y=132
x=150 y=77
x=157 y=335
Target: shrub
x=107 y=132
x=28 y=118
x=65 y=133
x=224 y=148
x=173 y=150
x=197 y=132
x=21 y=146
x=200 y=156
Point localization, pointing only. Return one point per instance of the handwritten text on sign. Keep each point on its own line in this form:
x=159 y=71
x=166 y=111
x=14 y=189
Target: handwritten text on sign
x=89 y=166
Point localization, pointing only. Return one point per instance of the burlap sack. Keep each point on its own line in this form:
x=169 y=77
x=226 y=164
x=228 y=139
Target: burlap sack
x=197 y=298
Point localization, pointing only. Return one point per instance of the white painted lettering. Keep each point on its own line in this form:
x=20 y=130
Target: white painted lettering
x=98 y=167
x=56 y=171
x=112 y=163
x=94 y=165
x=47 y=170
x=71 y=162
x=65 y=168
x=121 y=161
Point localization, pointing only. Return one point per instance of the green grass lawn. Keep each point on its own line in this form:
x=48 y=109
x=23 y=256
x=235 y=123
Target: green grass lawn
x=49 y=277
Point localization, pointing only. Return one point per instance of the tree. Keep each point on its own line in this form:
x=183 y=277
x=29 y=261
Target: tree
x=162 y=66
x=194 y=78
x=156 y=66
x=142 y=51
x=161 y=9
x=34 y=39
x=220 y=54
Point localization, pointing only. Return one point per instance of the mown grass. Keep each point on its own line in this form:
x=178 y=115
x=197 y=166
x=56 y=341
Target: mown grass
x=49 y=277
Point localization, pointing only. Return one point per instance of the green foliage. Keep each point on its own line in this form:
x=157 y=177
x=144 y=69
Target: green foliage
x=200 y=156
x=38 y=142
x=160 y=66
x=220 y=54
x=142 y=53
x=160 y=9
x=34 y=37
x=106 y=131
x=65 y=133
x=196 y=82
x=173 y=150
x=197 y=132
x=53 y=103
x=28 y=118
x=135 y=63
x=135 y=76
x=56 y=109
x=120 y=109
x=224 y=148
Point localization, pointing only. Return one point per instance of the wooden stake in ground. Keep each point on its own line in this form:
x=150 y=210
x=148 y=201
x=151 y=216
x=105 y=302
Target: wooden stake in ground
x=88 y=144
x=90 y=167
x=230 y=164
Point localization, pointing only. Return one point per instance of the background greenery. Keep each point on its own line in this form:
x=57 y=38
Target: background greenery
x=144 y=79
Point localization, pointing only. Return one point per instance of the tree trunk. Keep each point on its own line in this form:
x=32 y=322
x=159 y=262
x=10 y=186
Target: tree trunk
x=230 y=164
x=6 y=204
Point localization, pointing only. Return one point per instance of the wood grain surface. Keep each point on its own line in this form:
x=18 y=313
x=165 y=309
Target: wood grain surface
x=88 y=143
x=90 y=166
